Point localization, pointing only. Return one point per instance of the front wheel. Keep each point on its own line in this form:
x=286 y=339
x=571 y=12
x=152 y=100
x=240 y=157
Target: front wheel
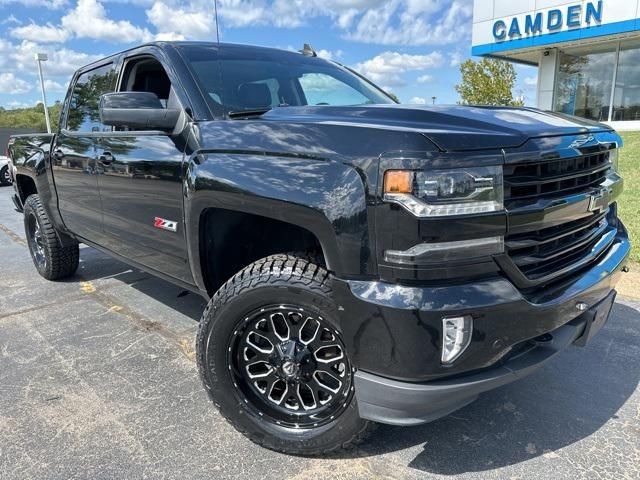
x=272 y=359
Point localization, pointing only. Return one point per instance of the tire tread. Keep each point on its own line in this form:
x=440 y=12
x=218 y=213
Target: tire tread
x=62 y=262
x=296 y=271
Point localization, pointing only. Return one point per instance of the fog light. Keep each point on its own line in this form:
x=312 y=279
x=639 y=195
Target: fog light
x=456 y=336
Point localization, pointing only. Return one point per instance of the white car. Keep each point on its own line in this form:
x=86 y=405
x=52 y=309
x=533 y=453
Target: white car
x=5 y=172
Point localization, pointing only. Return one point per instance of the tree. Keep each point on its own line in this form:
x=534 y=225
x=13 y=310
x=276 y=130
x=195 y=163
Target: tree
x=32 y=117
x=488 y=82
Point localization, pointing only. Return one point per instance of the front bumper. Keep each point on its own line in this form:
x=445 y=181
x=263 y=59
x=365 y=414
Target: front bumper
x=393 y=333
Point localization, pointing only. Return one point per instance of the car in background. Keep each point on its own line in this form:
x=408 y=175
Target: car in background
x=5 y=171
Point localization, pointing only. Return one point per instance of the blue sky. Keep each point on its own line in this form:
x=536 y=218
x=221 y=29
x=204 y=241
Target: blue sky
x=410 y=47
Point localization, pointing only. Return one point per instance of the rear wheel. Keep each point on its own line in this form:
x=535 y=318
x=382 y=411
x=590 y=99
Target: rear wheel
x=5 y=176
x=52 y=260
x=273 y=361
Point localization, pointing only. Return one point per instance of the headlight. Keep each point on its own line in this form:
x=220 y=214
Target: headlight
x=440 y=193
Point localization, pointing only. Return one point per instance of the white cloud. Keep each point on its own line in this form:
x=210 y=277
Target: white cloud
x=62 y=61
x=399 y=22
x=10 y=19
x=89 y=20
x=425 y=79
x=53 y=86
x=455 y=59
x=531 y=81
x=387 y=68
x=18 y=104
x=418 y=101
x=329 y=55
x=50 y=4
x=413 y=23
x=10 y=84
x=175 y=23
x=41 y=33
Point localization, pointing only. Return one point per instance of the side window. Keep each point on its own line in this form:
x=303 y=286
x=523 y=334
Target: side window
x=83 y=115
x=147 y=75
x=321 y=89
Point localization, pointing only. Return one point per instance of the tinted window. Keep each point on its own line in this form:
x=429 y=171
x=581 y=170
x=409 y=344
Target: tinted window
x=256 y=78
x=83 y=113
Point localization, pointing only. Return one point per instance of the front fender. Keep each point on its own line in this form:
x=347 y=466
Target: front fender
x=325 y=197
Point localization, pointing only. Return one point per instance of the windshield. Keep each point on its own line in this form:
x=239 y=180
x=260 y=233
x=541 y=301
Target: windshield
x=260 y=79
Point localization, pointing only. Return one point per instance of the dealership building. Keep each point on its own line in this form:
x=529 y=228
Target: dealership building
x=587 y=52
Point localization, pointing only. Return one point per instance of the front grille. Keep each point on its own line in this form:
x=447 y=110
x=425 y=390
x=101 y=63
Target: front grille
x=543 y=256
x=547 y=253
x=557 y=177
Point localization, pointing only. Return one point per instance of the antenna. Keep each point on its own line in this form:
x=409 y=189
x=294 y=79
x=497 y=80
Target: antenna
x=308 y=51
x=215 y=8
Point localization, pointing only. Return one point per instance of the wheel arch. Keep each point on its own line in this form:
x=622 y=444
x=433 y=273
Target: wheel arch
x=325 y=198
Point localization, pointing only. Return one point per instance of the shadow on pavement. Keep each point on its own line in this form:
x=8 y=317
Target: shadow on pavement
x=96 y=266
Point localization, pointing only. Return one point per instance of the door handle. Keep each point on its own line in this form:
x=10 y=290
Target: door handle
x=106 y=158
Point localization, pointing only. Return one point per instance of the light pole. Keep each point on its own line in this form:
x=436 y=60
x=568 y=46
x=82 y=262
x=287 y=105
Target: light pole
x=42 y=57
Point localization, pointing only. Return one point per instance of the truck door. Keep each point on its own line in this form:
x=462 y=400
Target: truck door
x=141 y=178
x=75 y=152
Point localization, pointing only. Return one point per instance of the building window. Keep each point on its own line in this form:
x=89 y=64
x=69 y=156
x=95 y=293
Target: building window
x=626 y=99
x=584 y=82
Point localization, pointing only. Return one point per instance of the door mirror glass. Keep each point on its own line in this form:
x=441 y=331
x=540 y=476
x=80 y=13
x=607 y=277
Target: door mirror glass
x=136 y=111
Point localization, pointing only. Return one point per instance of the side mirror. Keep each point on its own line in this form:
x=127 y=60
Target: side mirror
x=137 y=110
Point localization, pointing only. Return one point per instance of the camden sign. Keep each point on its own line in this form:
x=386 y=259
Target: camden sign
x=549 y=21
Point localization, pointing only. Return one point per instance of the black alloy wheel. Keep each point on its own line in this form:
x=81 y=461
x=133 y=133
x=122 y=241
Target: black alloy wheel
x=291 y=365
x=36 y=242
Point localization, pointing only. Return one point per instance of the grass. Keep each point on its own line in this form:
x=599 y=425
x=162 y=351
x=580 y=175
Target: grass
x=629 y=202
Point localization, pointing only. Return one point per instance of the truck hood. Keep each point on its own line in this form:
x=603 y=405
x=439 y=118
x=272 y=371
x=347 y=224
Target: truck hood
x=451 y=128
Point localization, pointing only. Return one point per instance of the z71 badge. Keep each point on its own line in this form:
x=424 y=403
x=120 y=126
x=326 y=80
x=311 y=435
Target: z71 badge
x=164 y=224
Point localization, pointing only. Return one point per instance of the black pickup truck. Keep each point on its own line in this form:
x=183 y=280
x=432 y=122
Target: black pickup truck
x=365 y=261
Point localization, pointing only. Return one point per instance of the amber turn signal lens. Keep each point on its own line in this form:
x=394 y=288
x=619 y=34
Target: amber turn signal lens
x=398 y=181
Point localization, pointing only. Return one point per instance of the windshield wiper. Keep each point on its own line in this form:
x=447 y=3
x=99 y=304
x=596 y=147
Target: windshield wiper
x=248 y=113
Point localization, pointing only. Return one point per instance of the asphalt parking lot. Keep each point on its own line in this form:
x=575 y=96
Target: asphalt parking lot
x=97 y=380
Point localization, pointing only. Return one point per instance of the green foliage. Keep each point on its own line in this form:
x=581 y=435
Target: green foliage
x=629 y=202
x=86 y=95
x=488 y=82
x=32 y=117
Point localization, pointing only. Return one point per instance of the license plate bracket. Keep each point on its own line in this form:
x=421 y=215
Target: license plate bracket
x=597 y=318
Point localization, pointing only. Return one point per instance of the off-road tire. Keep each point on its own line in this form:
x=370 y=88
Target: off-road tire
x=59 y=261
x=4 y=181
x=282 y=279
